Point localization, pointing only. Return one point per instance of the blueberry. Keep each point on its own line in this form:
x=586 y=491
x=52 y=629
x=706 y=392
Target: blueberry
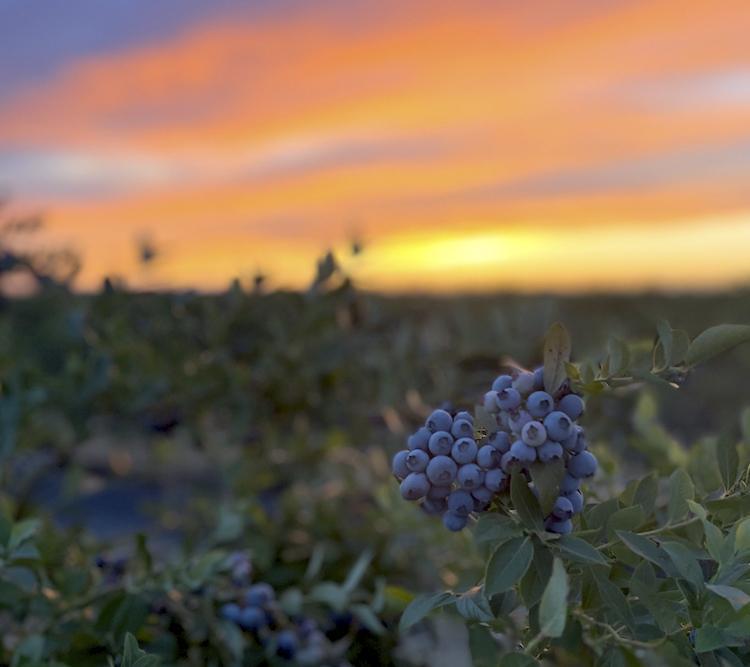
x=500 y=441
x=460 y=502
x=455 y=522
x=417 y=460
x=286 y=644
x=399 y=467
x=230 y=612
x=523 y=452
x=470 y=476
x=434 y=507
x=467 y=416
x=464 y=451
x=100 y=562
x=539 y=378
x=252 y=618
x=572 y=405
x=480 y=505
x=306 y=627
x=549 y=451
x=419 y=439
x=462 y=428
x=494 y=480
x=502 y=382
x=582 y=465
x=508 y=462
x=482 y=494
x=524 y=383
x=576 y=442
x=488 y=457
x=561 y=527
x=259 y=595
x=503 y=420
x=440 y=420
x=438 y=491
x=563 y=508
x=534 y=434
x=576 y=500
x=440 y=443
x=558 y=425
x=540 y=404
x=490 y=402
x=508 y=399
x=518 y=420
x=415 y=486
x=442 y=470
x=569 y=484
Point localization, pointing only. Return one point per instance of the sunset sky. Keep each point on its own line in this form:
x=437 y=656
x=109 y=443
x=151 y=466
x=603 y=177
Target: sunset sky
x=544 y=145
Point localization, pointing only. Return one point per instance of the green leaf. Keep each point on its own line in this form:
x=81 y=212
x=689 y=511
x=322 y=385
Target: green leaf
x=507 y=565
x=645 y=494
x=495 y=529
x=598 y=515
x=681 y=490
x=473 y=606
x=517 y=660
x=547 y=478
x=727 y=459
x=22 y=531
x=685 y=562
x=613 y=598
x=421 y=606
x=709 y=638
x=736 y=597
x=646 y=548
x=331 y=594
x=535 y=580
x=716 y=340
x=553 y=608
x=580 y=551
x=628 y=518
x=368 y=618
x=557 y=348
x=526 y=503
x=742 y=535
x=357 y=572
x=619 y=357
x=483 y=647
x=663 y=349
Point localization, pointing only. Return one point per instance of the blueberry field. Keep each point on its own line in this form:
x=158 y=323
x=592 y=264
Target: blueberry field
x=333 y=477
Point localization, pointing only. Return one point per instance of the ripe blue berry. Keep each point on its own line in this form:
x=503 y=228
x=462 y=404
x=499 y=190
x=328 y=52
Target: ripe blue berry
x=572 y=405
x=494 y=480
x=549 y=451
x=508 y=399
x=440 y=420
x=460 y=502
x=417 y=460
x=440 y=443
x=540 y=404
x=482 y=494
x=434 y=507
x=570 y=484
x=464 y=451
x=561 y=527
x=399 y=467
x=539 y=378
x=518 y=420
x=576 y=500
x=467 y=416
x=563 y=508
x=488 y=457
x=524 y=383
x=502 y=382
x=455 y=522
x=252 y=618
x=523 y=452
x=509 y=462
x=500 y=441
x=420 y=439
x=259 y=595
x=534 y=434
x=582 y=465
x=442 y=470
x=438 y=491
x=470 y=476
x=462 y=428
x=490 y=402
x=415 y=486
x=231 y=612
x=576 y=442
x=558 y=425
x=286 y=644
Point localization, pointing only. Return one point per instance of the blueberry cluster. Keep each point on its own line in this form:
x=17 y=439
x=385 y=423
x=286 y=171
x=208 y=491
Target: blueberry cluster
x=540 y=427
x=455 y=470
x=258 y=613
x=450 y=472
